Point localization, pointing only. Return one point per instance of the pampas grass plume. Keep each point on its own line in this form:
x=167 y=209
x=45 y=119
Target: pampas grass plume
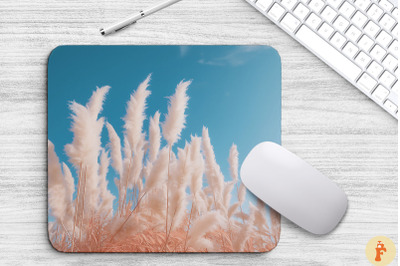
x=212 y=169
x=106 y=205
x=136 y=167
x=206 y=223
x=69 y=189
x=154 y=136
x=242 y=193
x=57 y=194
x=197 y=165
x=227 y=194
x=232 y=209
x=115 y=144
x=158 y=174
x=135 y=113
x=176 y=118
x=234 y=162
x=86 y=143
x=95 y=104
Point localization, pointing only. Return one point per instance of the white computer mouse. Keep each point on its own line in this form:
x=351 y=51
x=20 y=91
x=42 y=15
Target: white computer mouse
x=293 y=188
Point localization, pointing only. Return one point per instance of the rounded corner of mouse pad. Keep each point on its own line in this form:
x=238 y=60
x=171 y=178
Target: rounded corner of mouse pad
x=145 y=142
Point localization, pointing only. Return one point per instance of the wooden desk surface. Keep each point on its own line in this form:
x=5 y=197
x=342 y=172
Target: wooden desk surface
x=326 y=121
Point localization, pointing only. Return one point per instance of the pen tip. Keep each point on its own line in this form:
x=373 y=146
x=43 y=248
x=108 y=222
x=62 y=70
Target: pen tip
x=102 y=32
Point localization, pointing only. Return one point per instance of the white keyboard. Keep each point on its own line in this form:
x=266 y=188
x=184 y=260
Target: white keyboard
x=357 y=38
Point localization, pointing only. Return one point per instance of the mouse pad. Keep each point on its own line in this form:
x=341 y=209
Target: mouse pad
x=145 y=145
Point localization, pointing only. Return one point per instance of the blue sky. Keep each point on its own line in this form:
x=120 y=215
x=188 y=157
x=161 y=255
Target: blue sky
x=235 y=91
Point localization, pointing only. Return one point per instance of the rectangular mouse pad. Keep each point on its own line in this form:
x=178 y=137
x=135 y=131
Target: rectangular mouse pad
x=145 y=145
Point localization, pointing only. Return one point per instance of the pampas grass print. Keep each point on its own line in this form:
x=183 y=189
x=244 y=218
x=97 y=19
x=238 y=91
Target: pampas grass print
x=163 y=204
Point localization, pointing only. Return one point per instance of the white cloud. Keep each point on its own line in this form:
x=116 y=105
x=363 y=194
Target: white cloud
x=235 y=57
x=184 y=49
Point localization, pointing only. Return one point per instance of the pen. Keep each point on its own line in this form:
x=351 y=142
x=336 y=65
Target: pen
x=132 y=19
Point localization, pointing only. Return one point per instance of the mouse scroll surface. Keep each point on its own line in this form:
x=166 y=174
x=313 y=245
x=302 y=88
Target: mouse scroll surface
x=293 y=188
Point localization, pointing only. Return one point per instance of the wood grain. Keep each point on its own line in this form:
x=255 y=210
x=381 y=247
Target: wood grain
x=325 y=120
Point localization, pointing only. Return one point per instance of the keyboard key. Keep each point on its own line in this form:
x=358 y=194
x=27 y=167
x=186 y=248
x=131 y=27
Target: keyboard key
x=384 y=38
x=365 y=43
x=353 y=33
x=371 y=29
x=276 y=11
x=316 y=5
x=375 y=12
x=390 y=62
x=350 y=50
x=387 y=79
x=390 y=106
x=325 y=30
x=386 y=5
x=380 y=93
x=263 y=4
x=366 y=82
x=378 y=52
x=301 y=11
x=328 y=14
x=340 y=23
x=387 y=22
x=334 y=3
x=347 y=9
x=333 y=57
x=375 y=69
x=359 y=19
x=338 y=40
x=395 y=88
x=362 y=4
x=394 y=47
x=395 y=30
x=313 y=21
x=395 y=13
x=290 y=22
x=289 y=4
x=362 y=59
